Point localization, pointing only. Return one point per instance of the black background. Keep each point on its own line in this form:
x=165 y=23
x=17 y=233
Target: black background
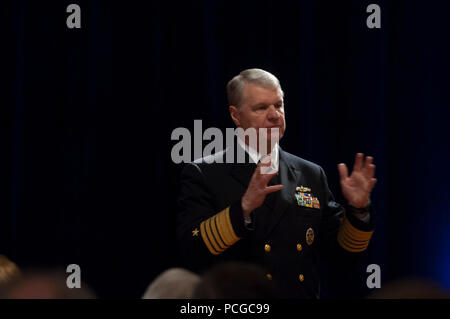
x=87 y=115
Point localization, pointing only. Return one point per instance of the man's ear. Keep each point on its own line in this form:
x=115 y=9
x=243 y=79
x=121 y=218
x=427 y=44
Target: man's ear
x=235 y=115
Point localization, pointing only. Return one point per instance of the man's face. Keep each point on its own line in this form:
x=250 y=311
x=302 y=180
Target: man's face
x=260 y=108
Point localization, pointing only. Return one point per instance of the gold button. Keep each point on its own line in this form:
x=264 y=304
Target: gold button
x=269 y=276
x=299 y=247
x=267 y=247
x=301 y=277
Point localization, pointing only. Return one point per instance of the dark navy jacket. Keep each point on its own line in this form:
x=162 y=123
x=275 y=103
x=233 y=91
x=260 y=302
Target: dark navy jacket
x=289 y=236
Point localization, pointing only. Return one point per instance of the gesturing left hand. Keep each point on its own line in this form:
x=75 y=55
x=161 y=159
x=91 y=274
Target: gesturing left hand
x=357 y=187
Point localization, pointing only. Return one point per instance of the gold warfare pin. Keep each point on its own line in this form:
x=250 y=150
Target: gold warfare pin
x=303 y=189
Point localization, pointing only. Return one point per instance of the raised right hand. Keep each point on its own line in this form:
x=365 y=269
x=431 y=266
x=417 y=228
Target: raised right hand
x=257 y=189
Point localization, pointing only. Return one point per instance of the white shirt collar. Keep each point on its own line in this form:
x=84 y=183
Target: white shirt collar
x=255 y=156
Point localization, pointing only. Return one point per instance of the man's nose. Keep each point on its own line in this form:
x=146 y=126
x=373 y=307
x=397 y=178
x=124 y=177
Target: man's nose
x=274 y=114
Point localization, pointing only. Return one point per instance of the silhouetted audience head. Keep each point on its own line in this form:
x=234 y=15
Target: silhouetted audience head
x=236 y=280
x=410 y=288
x=174 y=283
x=44 y=284
x=9 y=272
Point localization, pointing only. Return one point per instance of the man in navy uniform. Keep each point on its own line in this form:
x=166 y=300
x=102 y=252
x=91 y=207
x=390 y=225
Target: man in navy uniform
x=276 y=210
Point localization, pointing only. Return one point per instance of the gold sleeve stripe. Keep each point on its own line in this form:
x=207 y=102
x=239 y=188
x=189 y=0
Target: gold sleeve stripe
x=352 y=242
x=352 y=239
x=214 y=235
x=355 y=233
x=348 y=244
x=212 y=240
x=227 y=238
x=217 y=235
x=350 y=248
x=206 y=239
x=227 y=228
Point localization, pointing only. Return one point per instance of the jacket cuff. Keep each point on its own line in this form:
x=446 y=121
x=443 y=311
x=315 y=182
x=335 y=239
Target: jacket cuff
x=354 y=235
x=237 y=220
x=223 y=230
x=359 y=224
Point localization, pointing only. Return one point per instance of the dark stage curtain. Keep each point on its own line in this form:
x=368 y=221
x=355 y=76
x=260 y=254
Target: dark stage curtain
x=87 y=116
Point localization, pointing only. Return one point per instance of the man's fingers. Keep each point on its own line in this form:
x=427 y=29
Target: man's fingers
x=367 y=167
x=268 y=176
x=260 y=165
x=263 y=174
x=343 y=171
x=373 y=181
x=267 y=159
x=265 y=162
x=273 y=188
x=358 y=162
x=370 y=171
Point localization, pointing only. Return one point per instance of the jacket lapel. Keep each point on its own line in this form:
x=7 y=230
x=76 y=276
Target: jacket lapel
x=284 y=198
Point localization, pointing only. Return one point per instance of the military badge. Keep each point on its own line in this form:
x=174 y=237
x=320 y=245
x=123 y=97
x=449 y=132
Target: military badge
x=310 y=236
x=306 y=200
x=303 y=189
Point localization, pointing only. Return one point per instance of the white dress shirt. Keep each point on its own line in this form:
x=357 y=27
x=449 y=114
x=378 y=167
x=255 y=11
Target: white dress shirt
x=256 y=157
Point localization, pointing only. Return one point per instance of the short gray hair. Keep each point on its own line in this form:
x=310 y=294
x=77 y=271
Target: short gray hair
x=235 y=88
x=174 y=283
